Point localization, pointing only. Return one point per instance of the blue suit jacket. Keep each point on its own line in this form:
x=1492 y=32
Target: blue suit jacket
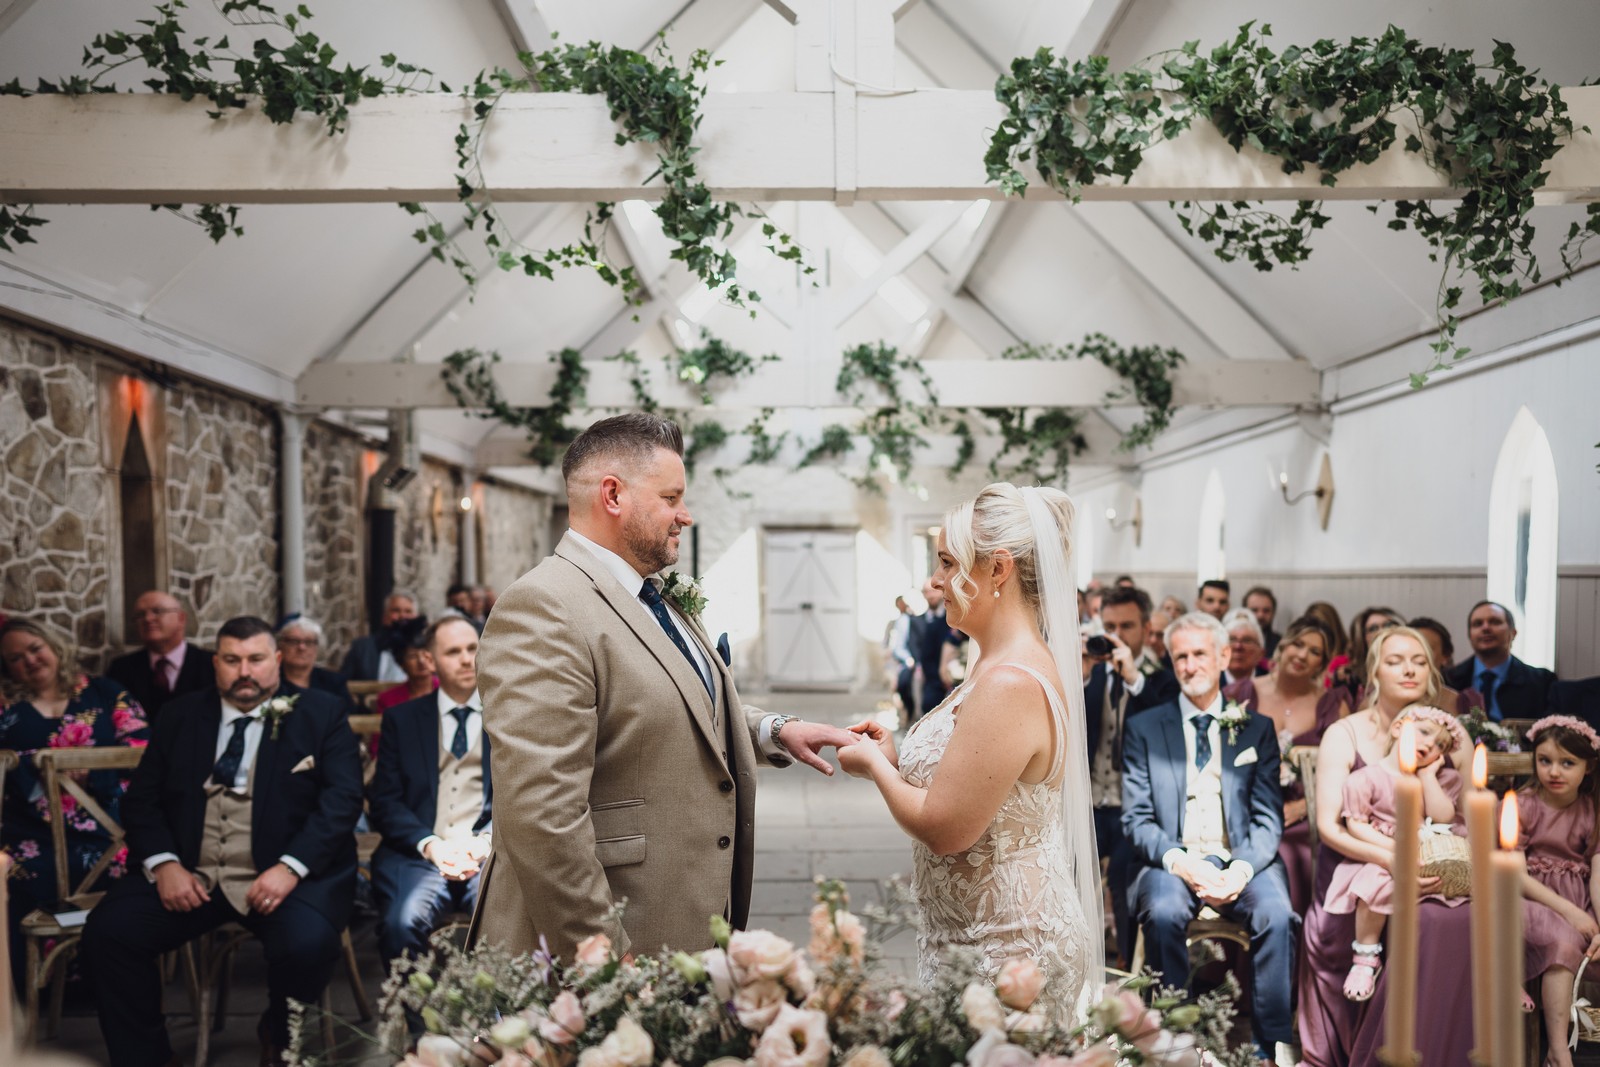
x=1159 y=688
x=1155 y=788
x=403 y=797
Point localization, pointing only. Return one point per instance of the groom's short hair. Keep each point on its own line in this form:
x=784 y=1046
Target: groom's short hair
x=631 y=439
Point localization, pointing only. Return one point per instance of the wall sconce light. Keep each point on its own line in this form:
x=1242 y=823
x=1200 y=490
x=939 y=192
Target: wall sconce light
x=1134 y=519
x=466 y=503
x=1323 y=490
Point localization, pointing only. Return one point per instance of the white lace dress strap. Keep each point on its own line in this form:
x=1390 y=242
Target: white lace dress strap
x=1058 y=714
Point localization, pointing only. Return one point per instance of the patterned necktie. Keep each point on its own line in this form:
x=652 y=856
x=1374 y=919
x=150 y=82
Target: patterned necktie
x=1202 y=741
x=163 y=683
x=652 y=600
x=1486 y=682
x=227 y=768
x=458 y=743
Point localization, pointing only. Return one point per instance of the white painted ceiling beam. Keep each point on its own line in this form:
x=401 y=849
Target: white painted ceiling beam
x=928 y=145
x=526 y=24
x=1094 y=30
x=901 y=256
x=784 y=384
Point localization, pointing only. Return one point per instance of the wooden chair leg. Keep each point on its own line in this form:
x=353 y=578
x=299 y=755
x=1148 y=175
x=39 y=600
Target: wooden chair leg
x=191 y=977
x=58 y=992
x=30 y=1021
x=328 y=1037
x=357 y=988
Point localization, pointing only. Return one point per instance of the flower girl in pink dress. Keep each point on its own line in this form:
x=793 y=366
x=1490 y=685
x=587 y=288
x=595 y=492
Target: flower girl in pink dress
x=1558 y=832
x=1367 y=888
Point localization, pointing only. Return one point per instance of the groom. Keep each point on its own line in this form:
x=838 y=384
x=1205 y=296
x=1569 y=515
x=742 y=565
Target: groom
x=1202 y=808
x=623 y=762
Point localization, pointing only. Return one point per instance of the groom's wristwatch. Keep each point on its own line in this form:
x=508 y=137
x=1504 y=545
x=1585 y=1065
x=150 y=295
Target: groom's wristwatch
x=778 y=723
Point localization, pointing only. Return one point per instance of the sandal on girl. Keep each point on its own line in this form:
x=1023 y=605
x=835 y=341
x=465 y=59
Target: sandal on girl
x=1362 y=980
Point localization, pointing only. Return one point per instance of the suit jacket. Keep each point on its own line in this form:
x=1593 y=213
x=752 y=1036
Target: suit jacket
x=1523 y=695
x=613 y=781
x=1578 y=697
x=403 y=799
x=1159 y=688
x=1155 y=788
x=310 y=814
x=361 y=661
x=133 y=671
x=333 y=683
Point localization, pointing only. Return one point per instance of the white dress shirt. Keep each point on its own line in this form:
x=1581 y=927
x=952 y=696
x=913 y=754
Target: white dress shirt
x=241 y=780
x=447 y=734
x=1203 y=799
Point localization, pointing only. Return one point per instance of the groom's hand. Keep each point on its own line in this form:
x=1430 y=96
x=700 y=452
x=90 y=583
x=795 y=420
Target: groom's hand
x=803 y=740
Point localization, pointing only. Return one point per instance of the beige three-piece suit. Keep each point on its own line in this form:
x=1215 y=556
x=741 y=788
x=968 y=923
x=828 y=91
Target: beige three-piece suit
x=614 y=776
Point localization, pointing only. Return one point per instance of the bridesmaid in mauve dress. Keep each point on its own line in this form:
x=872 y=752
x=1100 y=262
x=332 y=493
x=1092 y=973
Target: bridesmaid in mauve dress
x=1291 y=695
x=1335 y=1032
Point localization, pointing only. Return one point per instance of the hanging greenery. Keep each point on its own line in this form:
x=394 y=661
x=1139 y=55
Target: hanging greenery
x=835 y=443
x=1048 y=439
x=469 y=375
x=302 y=76
x=1490 y=128
x=1146 y=371
x=712 y=359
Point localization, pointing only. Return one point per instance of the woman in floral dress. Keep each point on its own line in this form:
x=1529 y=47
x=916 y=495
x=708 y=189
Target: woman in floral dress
x=50 y=703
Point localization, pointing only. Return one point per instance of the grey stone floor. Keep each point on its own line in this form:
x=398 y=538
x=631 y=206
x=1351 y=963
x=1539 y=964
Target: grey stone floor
x=807 y=825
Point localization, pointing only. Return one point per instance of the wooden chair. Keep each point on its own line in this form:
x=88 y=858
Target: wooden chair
x=56 y=766
x=1304 y=758
x=364 y=693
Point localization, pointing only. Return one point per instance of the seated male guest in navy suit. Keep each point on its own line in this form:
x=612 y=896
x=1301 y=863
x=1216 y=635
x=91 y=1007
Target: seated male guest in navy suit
x=430 y=797
x=1128 y=681
x=283 y=867
x=1511 y=689
x=168 y=666
x=1202 y=808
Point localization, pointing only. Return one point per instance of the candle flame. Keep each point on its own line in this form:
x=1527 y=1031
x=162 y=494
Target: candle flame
x=1480 y=766
x=1508 y=821
x=1407 y=754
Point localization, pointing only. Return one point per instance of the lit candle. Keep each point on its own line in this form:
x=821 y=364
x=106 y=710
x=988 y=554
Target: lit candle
x=1480 y=836
x=1508 y=872
x=1400 y=1013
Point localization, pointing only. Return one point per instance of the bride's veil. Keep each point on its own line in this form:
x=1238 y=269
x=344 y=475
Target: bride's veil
x=1054 y=542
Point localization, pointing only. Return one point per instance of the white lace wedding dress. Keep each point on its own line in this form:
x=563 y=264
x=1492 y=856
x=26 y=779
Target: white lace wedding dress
x=1012 y=893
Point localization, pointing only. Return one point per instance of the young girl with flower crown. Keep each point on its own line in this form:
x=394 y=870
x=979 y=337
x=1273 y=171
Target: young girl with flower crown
x=1557 y=813
x=1369 y=814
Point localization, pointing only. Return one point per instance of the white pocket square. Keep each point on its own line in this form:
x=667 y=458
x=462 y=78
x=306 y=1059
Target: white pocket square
x=1245 y=758
x=309 y=763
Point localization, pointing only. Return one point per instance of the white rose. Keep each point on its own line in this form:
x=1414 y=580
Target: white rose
x=993 y=1050
x=759 y=954
x=866 y=1056
x=797 y=1038
x=720 y=971
x=982 y=1008
x=597 y=1056
x=510 y=1032
x=757 y=1004
x=439 y=1050
x=628 y=1045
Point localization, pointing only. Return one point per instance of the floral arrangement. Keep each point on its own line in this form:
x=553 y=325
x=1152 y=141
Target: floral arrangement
x=275 y=709
x=757 y=1000
x=685 y=592
x=1482 y=730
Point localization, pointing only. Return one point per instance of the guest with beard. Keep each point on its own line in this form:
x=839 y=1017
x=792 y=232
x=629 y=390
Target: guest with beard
x=375 y=657
x=167 y=666
x=1511 y=689
x=1263 y=604
x=284 y=868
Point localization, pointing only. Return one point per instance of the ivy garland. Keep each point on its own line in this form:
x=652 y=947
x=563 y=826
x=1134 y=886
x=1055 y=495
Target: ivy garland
x=469 y=375
x=714 y=358
x=1145 y=370
x=1491 y=129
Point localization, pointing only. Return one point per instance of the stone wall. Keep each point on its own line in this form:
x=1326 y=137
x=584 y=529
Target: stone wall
x=514 y=532
x=53 y=491
x=334 y=537
x=427 y=531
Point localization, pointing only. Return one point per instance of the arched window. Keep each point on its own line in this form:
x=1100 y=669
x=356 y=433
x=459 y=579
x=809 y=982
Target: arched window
x=138 y=499
x=1211 y=561
x=1523 y=507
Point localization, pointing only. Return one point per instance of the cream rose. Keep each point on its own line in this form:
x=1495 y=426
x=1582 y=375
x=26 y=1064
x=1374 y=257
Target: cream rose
x=510 y=1032
x=1168 y=1049
x=1019 y=983
x=720 y=972
x=438 y=1050
x=628 y=1045
x=866 y=1056
x=566 y=1020
x=1097 y=1055
x=594 y=950
x=757 y=1004
x=597 y=1056
x=757 y=954
x=993 y=1050
x=799 y=979
x=796 y=1038
x=896 y=1005
x=982 y=1008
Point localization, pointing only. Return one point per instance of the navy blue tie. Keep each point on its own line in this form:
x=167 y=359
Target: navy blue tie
x=1202 y=741
x=652 y=600
x=458 y=743
x=227 y=768
x=1486 y=682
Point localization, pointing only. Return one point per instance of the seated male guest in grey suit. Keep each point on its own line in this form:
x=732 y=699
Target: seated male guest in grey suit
x=284 y=868
x=1202 y=807
x=430 y=797
x=1511 y=689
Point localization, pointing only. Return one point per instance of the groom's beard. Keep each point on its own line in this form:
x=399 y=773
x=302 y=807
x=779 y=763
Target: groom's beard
x=653 y=550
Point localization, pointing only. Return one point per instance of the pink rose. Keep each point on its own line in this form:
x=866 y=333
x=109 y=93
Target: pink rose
x=832 y=935
x=437 y=1050
x=757 y=1004
x=800 y=980
x=757 y=954
x=1169 y=1050
x=896 y=1005
x=1097 y=1055
x=1122 y=1011
x=566 y=1020
x=866 y=1056
x=594 y=950
x=514 y=1059
x=796 y=1038
x=982 y=1009
x=1019 y=983
x=993 y=1050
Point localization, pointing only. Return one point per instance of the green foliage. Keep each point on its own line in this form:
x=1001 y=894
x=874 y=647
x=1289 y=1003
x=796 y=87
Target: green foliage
x=704 y=436
x=764 y=447
x=1490 y=128
x=218 y=220
x=638 y=379
x=17 y=223
x=1145 y=370
x=712 y=359
x=469 y=375
x=1046 y=440
x=835 y=443
x=871 y=376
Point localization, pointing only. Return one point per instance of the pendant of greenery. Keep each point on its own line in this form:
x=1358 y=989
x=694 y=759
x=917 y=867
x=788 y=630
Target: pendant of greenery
x=835 y=443
x=712 y=359
x=469 y=375
x=1146 y=372
x=1048 y=439
x=1490 y=128
x=300 y=77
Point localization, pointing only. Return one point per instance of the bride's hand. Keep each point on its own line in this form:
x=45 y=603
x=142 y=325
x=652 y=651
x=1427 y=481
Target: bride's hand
x=877 y=732
x=860 y=759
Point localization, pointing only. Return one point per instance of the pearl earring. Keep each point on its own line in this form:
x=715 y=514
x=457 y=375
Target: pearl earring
x=997 y=594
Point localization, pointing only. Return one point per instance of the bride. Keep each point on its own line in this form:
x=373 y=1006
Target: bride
x=993 y=784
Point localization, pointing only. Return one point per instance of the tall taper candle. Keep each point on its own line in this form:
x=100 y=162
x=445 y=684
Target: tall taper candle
x=1509 y=869
x=1480 y=835
x=1400 y=1012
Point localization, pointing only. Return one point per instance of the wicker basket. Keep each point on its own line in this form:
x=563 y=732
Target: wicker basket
x=1585 y=1016
x=1447 y=858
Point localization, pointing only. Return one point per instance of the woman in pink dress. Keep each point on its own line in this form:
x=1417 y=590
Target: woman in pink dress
x=1559 y=835
x=1367 y=889
x=1301 y=711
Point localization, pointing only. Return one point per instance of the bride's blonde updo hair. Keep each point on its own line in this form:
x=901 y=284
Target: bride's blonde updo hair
x=998 y=519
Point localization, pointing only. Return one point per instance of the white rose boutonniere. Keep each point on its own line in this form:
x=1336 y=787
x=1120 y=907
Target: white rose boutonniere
x=273 y=711
x=1234 y=715
x=684 y=592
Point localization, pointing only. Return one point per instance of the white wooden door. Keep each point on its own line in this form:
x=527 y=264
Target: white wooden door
x=811 y=609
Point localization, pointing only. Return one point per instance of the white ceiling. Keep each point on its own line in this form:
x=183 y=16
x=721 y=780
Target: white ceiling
x=310 y=283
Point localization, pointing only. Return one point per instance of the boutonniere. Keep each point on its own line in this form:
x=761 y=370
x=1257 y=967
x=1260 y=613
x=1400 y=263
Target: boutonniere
x=273 y=711
x=685 y=593
x=1148 y=666
x=1232 y=718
